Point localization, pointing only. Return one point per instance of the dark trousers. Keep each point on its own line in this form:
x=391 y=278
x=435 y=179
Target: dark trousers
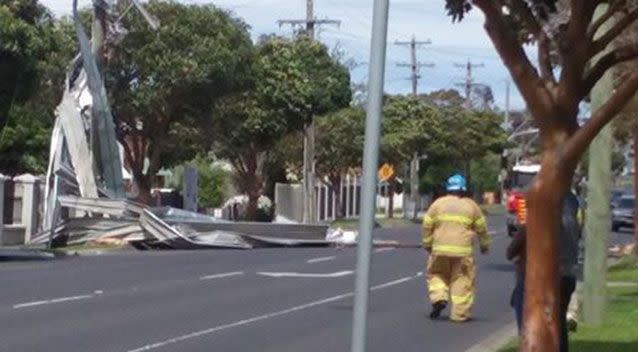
x=517 y=302
x=567 y=287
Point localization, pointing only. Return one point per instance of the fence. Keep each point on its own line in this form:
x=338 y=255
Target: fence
x=22 y=208
x=289 y=200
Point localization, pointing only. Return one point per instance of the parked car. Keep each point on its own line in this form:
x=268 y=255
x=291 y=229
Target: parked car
x=622 y=215
x=616 y=195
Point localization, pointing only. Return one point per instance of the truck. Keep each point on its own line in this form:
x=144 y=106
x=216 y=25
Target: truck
x=518 y=182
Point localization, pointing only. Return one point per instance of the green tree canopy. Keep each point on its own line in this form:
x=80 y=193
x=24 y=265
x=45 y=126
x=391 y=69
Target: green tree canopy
x=340 y=141
x=294 y=79
x=301 y=77
x=163 y=84
x=410 y=125
x=34 y=53
x=339 y=144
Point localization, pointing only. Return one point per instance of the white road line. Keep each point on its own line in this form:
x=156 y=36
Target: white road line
x=322 y=259
x=52 y=301
x=264 y=317
x=220 y=276
x=307 y=275
x=385 y=249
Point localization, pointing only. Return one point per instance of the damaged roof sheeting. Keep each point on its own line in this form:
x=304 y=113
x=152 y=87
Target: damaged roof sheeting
x=169 y=228
x=205 y=232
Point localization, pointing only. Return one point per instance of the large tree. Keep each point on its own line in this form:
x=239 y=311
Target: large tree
x=293 y=80
x=339 y=148
x=472 y=135
x=34 y=53
x=163 y=84
x=410 y=125
x=568 y=35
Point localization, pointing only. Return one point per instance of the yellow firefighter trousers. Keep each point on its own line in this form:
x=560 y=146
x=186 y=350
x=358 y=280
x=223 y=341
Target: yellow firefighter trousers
x=452 y=279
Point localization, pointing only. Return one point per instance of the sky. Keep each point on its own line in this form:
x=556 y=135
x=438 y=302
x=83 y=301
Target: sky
x=425 y=19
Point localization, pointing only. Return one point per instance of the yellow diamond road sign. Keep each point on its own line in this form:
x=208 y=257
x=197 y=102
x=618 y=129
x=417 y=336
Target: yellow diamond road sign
x=386 y=172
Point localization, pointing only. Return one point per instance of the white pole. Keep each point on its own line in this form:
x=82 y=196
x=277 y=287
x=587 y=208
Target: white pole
x=370 y=165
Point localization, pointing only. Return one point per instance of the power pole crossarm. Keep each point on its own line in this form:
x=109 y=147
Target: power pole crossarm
x=283 y=22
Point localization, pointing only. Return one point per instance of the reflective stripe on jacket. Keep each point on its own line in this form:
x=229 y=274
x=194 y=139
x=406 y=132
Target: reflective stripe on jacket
x=451 y=224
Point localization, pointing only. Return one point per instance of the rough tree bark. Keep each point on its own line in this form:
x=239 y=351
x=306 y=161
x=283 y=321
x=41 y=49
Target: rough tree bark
x=554 y=105
x=635 y=132
x=335 y=187
x=249 y=165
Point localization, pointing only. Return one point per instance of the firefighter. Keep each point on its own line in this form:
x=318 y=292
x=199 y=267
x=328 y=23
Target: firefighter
x=449 y=227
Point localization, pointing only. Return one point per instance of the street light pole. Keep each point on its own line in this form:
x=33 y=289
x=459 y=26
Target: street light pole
x=370 y=165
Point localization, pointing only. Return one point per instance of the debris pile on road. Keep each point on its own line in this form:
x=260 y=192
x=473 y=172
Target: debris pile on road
x=104 y=220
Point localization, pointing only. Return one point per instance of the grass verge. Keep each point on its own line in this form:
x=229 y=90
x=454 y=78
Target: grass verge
x=625 y=270
x=619 y=331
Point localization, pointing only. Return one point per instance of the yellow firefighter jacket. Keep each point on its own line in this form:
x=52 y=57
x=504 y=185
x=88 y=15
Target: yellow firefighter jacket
x=451 y=224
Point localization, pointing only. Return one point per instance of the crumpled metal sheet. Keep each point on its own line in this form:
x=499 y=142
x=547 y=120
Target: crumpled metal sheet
x=114 y=207
x=109 y=163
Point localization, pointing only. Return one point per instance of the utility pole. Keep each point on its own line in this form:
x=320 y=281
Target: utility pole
x=309 y=212
x=469 y=81
x=597 y=218
x=414 y=66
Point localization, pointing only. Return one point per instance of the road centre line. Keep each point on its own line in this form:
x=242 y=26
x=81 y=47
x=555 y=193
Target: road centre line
x=267 y=316
x=220 y=276
x=307 y=275
x=54 y=300
x=321 y=259
x=385 y=249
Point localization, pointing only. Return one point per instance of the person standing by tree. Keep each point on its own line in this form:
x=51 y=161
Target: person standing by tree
x=570 y=233
x=449 y=227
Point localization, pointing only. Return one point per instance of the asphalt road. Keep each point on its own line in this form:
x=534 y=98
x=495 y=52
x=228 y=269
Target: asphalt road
x=259 y=300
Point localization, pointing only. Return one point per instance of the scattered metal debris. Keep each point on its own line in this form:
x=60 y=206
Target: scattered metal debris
x=84 y=188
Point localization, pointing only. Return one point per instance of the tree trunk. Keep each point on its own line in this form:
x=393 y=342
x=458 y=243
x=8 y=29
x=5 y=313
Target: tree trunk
x=143 y=185
x=636 y=189
x=335 y=185
x=251 y=208
x=251 y=182
x=542 y=295
x=391 y=188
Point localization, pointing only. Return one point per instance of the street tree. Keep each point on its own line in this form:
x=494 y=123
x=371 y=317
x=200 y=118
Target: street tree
x=22 y=25
x=472 y=134
x=339 y=148
x=293 y=80
x=301 y=77
x=566 y=34
x=163 y=84
x=34 y=52
x=244 y=131
x=410 y=125
x=307 y=81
